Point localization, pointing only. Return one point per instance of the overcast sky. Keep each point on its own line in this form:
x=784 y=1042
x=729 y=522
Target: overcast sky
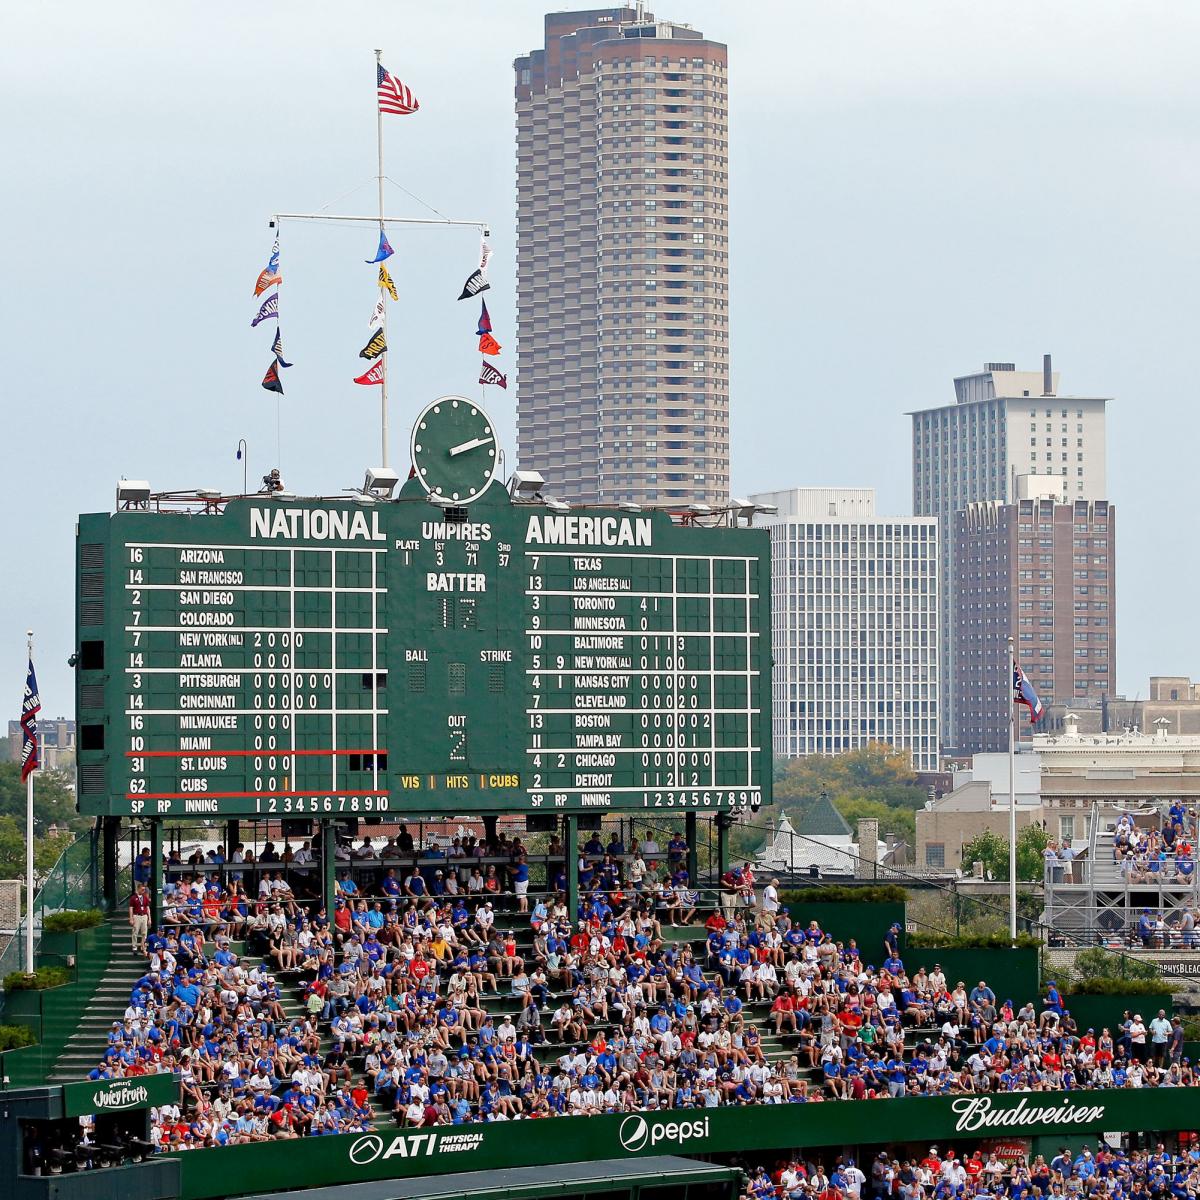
x=915 y=189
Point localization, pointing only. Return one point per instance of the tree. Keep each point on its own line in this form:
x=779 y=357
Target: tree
x=893 y=820
x=992 y=850
x=53 y=800
x=12 y=849
x=874 y=772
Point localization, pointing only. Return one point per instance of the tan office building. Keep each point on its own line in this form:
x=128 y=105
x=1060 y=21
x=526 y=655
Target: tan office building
x=623 y=260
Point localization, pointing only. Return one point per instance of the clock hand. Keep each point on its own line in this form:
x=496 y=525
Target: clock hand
x=463 y=447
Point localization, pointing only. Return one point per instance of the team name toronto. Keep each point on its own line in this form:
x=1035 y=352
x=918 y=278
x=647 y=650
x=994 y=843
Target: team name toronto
x=978 y=1113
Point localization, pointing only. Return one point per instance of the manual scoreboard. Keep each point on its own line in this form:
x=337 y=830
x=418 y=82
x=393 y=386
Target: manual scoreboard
x=280 y=657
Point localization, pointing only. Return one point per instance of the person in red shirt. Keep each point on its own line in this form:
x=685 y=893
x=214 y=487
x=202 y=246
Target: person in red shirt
x=784 y=1011
x=974 y=1166
x=931 y=1162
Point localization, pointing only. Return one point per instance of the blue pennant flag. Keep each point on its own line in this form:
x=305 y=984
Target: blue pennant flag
x=384 y=251
x=267 y=310
x=277 y=349
x=485 y=321
x=273 y=263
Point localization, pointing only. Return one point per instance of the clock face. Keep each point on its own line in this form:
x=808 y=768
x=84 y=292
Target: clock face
x=454 y=450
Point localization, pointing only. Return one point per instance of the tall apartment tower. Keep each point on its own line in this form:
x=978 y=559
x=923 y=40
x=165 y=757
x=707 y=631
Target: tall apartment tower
x=1004 y=424
x=853 y=625
x=1044 y=572
x=623 y=260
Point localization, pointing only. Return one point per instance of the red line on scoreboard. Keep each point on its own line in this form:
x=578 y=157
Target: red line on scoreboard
x=240 y=753
x=251 y=795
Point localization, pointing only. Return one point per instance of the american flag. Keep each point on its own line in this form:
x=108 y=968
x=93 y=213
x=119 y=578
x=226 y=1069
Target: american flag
x=394 y=97
x=31 y=705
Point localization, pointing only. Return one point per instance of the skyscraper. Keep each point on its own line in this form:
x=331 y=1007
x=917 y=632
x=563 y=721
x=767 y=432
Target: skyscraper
x=623 y=260
x=854 y=622
x=1004 y=424
x=1044 y=572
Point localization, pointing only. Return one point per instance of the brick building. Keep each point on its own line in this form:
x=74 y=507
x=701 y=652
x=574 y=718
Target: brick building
x=1044 y=572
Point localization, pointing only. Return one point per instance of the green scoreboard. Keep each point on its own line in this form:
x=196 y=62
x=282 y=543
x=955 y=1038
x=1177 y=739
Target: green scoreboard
x=450 y=651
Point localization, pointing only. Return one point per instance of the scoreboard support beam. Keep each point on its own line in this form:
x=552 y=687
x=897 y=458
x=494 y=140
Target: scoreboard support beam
x=328 y=865
x=723 y=821
x=692 y=859
x=157 y=871
x=109 y=833
x=571 y=845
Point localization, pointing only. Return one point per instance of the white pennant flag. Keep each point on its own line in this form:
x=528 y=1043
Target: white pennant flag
x=377 y=315
x=485 y=252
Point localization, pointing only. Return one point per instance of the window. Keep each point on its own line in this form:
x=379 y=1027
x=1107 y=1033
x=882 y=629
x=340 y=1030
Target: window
x=1066 y=829
x=935 y=854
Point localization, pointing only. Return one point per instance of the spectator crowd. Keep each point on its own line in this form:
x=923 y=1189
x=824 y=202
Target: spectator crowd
x=445 y=993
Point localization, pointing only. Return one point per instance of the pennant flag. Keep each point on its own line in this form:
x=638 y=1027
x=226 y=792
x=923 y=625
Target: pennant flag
x=374 y=375
x=485 y=321
x=31 y=705
x=269 y=276
x=475 y=284
x=277 y=349
x=489 y=374
x=384 y=251
x=375 y=347
x=377 y=315
x=1023 y=693
x=488 y=345
x=385 y=282
x=266 y=278
x=267 y=310
x=271 y=379
x=394 y=97
x=485 y=252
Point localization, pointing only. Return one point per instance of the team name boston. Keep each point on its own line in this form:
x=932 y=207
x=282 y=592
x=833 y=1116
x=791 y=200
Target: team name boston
x=978 y=1113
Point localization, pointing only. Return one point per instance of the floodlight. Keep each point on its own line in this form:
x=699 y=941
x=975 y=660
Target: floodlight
x=364 y=498
x=767 y=510
x=209 y=493
x=283 y=495
x=525 y=483
x=132 y=493
x=557 y=506
x=700 y=509
x=380 y=482
x=629 y=506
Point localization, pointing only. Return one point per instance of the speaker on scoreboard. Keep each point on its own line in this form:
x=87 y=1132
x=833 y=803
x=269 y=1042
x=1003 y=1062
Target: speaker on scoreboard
x=540 y=822
x=589 y=820
x=346 y=826
x=294 y=828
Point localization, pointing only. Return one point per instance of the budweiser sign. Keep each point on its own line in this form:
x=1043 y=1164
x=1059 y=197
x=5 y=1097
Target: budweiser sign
x=981 y=1112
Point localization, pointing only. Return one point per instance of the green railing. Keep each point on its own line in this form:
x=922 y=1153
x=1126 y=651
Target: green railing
x=73 y=882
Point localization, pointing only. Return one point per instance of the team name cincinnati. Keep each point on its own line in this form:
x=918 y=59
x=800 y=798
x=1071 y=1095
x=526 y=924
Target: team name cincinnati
x=315 y=524
x=589 y=531
x=978 y=1113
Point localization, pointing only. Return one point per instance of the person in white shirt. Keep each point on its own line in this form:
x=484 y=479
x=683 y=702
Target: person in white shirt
x=770 y=899
x=854 y=1180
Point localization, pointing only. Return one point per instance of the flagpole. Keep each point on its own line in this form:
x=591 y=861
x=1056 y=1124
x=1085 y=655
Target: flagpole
x=1012 y=793
x=383 y=396
x=29 y=847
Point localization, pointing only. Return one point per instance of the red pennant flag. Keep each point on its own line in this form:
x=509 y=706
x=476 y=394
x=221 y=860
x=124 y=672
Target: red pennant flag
x=374 y=375
x=266 y=278
x=271 y=378
x=488 y=344
x=489 y=374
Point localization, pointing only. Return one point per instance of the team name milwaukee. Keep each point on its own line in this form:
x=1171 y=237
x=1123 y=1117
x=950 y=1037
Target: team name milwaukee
x=315 y=524
x=978 y=1113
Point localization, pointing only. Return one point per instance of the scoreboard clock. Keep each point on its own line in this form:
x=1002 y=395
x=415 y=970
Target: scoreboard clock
x=453 y=650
